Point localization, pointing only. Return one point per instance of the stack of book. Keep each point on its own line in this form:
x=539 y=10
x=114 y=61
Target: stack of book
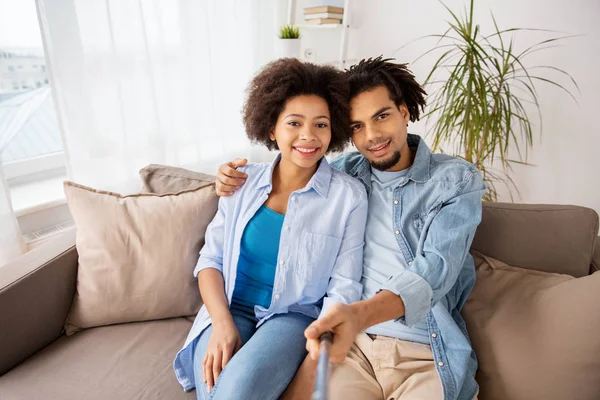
x=323 y=15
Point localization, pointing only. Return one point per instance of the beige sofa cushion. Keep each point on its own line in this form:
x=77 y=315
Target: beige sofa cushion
x=549 y=238
x=137 y=254
x=164 y=179
x=129 y=361
x=535 y=334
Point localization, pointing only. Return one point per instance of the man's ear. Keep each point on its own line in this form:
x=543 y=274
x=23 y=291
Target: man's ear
x=404 y=112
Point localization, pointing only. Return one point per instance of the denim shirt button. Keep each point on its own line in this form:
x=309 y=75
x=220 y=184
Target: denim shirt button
x=397 y=232
x=395 y=201
x=433 y=335
x=441 y=364
x=410 y=262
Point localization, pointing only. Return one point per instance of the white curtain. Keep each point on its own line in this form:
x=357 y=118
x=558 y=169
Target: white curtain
x=153 y=81
x=148 y=81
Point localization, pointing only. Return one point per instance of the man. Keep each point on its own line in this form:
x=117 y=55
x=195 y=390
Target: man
x=406 y=338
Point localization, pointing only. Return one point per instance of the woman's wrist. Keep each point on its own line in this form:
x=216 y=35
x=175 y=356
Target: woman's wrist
x=222 y=321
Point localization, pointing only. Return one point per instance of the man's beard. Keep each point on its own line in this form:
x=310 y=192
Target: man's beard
x=384 y=165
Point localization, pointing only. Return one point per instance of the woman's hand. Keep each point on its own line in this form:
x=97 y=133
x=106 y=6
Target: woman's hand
x=224 y=342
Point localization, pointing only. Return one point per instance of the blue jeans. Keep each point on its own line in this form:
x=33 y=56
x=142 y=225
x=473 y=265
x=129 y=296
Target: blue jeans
x=266 y=363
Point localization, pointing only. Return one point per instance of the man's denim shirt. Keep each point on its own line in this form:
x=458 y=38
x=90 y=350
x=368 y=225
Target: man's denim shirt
x=437 y=208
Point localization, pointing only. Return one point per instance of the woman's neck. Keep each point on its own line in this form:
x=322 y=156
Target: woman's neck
x=289 y=177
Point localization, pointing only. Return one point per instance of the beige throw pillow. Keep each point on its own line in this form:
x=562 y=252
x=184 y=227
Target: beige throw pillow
x=137 y=254
x=164 y=179
x=535 y=333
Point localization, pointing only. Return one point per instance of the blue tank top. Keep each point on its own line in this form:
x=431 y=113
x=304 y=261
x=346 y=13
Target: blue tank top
x=258 y=259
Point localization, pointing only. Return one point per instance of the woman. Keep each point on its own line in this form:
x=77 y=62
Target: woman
x=290 y=236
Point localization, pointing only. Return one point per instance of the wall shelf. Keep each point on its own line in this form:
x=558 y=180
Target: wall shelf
x=343 y=28
x=323 y=26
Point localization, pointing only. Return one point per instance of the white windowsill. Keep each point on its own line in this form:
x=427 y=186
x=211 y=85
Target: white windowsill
x=41 y=208
x=36 y=183
x=17 y=169
x=31 y=197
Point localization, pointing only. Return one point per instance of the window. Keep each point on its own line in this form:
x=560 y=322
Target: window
x=33 y=161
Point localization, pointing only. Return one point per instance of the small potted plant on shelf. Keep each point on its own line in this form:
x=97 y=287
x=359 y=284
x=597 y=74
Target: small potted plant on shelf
x=289 y=41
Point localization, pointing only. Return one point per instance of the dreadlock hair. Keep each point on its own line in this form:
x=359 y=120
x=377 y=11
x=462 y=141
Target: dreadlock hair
x=397 y=78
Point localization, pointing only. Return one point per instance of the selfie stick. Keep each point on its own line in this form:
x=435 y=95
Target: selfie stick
x=323 y=368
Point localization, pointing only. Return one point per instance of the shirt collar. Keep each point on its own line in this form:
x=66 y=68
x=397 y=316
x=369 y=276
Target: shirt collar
x=419 y=171
x=320 y=181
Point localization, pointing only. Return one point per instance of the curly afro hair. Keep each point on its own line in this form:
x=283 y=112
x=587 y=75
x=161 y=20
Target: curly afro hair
x=286 y=78
x=397 y=78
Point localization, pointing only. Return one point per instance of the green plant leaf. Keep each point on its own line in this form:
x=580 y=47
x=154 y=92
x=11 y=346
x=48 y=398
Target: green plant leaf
x=289 y=32
x=479 y=87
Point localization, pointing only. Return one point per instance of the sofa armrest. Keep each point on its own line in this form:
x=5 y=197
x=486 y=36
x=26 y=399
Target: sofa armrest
x=36 y=291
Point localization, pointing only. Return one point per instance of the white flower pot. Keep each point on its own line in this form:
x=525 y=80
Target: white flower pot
x=289 y=48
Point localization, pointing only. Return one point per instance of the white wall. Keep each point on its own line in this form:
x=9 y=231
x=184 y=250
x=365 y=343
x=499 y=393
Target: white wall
x=568 y=158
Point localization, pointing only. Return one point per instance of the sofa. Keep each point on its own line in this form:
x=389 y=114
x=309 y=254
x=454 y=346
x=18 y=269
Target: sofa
x=134 y=360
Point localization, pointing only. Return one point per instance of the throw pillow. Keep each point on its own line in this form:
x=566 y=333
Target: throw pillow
x=137 y=254
x=535 y=333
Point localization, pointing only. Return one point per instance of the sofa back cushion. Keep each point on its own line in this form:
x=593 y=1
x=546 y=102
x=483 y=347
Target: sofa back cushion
x=163 y=179
x=535 y=334
x=137 y=254
x=596 y=258
x=549 y=238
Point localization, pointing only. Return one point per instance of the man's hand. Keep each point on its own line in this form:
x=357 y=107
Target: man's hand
x=224 y=342
x=229 y=179
x=344 y=322
x=347 y=321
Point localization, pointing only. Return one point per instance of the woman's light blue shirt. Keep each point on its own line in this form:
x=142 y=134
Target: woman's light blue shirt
x=320 y=252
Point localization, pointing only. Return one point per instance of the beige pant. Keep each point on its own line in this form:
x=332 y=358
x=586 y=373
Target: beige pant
x=381 y=367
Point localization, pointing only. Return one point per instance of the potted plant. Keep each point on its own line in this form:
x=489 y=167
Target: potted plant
x=482 y=95
x=289 y=41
